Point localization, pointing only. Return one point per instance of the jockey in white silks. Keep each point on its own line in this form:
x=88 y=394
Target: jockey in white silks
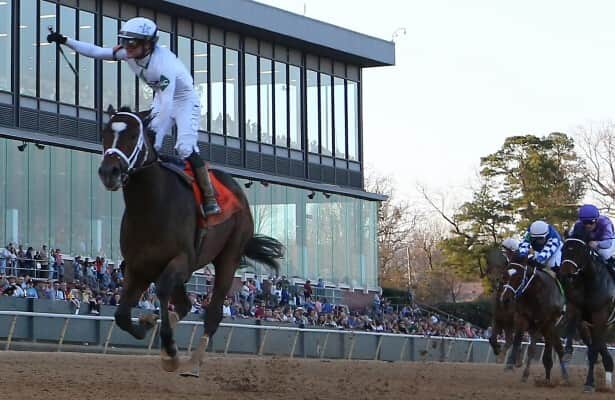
x=175 y=99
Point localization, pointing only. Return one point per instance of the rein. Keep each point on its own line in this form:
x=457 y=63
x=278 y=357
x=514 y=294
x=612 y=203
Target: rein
x=131 y=160
x=525 y=282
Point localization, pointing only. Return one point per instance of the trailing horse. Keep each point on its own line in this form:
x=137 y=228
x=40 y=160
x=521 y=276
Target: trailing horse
x=539 y=304
x=161 y=240
x=503 y=314
x=590 y=287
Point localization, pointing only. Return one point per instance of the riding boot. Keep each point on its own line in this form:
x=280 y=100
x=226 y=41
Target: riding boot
x=210 y=205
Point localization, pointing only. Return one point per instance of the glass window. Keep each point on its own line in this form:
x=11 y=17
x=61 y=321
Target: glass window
x=39 y=170
x=281 y=105
x=251 y=77
x=109 y=68
x=5 y=44
x=326 y=114
x=200 y=79
x=340 y=117
x=232 y=93
x=183 y=52
x=17 y=197
x=294 y=106
x=86 y=64
x=353 y=121
x=312 y=110
x=217 y=92
x=81 y=202
x=101 y=237
x=128 y=86
x=47 y=52
x=68 y=81
x=60 y=199
x=164 y=39
x=266 y=100
x=27 y=47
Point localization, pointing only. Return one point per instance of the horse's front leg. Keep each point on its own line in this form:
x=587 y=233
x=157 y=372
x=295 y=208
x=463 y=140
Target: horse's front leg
x=128 y=299
x=514 y=358
x=175 y=274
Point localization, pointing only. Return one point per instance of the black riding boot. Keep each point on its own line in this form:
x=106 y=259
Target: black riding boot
x=210 y=205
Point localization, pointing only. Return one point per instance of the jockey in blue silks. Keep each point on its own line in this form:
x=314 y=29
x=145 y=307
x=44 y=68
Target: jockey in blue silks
x=598 y=231
x=546 y=242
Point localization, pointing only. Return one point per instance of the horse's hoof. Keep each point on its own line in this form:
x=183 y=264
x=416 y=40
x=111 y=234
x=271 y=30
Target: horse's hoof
x=169 y=364
x=588 y=389
x=193 y=373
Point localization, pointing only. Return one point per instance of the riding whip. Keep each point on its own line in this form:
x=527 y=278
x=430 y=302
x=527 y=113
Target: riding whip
x=63 y=54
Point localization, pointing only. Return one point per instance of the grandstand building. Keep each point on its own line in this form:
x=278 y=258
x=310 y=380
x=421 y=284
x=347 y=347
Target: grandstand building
x=281 y=110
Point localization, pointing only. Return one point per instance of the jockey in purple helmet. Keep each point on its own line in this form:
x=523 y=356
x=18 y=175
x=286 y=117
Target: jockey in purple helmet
x=546 y=242
x=598 y=231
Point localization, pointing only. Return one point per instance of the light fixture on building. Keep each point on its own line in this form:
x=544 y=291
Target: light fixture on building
x=248 y=184
x=327 y=195
x=311 y=195
x=265 y=183
x=40 y=146
x=22 y=146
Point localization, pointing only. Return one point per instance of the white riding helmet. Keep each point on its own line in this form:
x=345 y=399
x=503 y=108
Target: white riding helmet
x=539 y=229
x=139 y=28
x=510 y=244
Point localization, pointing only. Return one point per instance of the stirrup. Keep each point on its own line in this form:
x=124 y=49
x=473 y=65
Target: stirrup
x=210 y=209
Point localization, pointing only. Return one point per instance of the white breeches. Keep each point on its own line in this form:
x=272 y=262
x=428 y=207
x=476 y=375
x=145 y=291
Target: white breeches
x=186 y=115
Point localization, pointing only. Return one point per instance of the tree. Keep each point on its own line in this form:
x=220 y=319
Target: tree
x=597 y=146
x=476 y=226
x=537 y=178
x=396 y=221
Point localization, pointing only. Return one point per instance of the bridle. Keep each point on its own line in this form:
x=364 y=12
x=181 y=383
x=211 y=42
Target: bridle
x=523 y=285
x=577 y=269
x=131 y=160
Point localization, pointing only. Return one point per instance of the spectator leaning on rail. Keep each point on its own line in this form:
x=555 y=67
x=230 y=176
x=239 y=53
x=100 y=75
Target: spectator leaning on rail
x=597 y=230
x=546 y=243
x=175 y=98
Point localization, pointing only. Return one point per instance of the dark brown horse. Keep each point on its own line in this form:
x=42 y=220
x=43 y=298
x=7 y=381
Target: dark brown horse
x=160 y=239
x=591 y=289
x=503 y=313
x=538 y=310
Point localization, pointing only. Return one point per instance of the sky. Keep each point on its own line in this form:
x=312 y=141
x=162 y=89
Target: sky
x=470 y=73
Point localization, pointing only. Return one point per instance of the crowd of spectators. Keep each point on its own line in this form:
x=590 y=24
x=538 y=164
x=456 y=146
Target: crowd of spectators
x=95 y=282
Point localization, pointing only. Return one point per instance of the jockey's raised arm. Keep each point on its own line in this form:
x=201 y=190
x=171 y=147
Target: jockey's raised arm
x=97 y=52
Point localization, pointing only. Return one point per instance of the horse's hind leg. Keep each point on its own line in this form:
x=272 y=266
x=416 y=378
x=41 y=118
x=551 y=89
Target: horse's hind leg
x=129 y=298
x=181 y=301
x=531 y=350
x=559 y=349
x=226 y=264
x=607 y=362
x=173 y=275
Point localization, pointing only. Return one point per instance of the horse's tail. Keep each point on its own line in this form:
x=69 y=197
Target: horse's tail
x=266 y=250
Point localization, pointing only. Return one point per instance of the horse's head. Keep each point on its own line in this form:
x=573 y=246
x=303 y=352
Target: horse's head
x=575 y=257
x=513 y=279
x=125 y=147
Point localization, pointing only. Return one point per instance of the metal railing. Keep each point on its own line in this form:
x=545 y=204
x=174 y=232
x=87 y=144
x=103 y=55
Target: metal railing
x=315 y=343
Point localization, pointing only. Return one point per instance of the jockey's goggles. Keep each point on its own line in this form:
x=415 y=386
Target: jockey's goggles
x=589 y=221
x=130 y=43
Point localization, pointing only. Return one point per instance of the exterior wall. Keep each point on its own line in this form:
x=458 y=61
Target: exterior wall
x=53 y=196
x=280 y=111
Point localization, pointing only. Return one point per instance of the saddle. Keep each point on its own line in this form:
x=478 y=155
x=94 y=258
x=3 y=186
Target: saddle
x=229 y=203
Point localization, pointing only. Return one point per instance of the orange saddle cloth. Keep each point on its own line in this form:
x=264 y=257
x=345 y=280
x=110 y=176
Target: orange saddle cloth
x=228 y=202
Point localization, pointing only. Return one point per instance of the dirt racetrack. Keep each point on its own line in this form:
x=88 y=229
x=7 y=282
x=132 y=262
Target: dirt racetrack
x=31 y=375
